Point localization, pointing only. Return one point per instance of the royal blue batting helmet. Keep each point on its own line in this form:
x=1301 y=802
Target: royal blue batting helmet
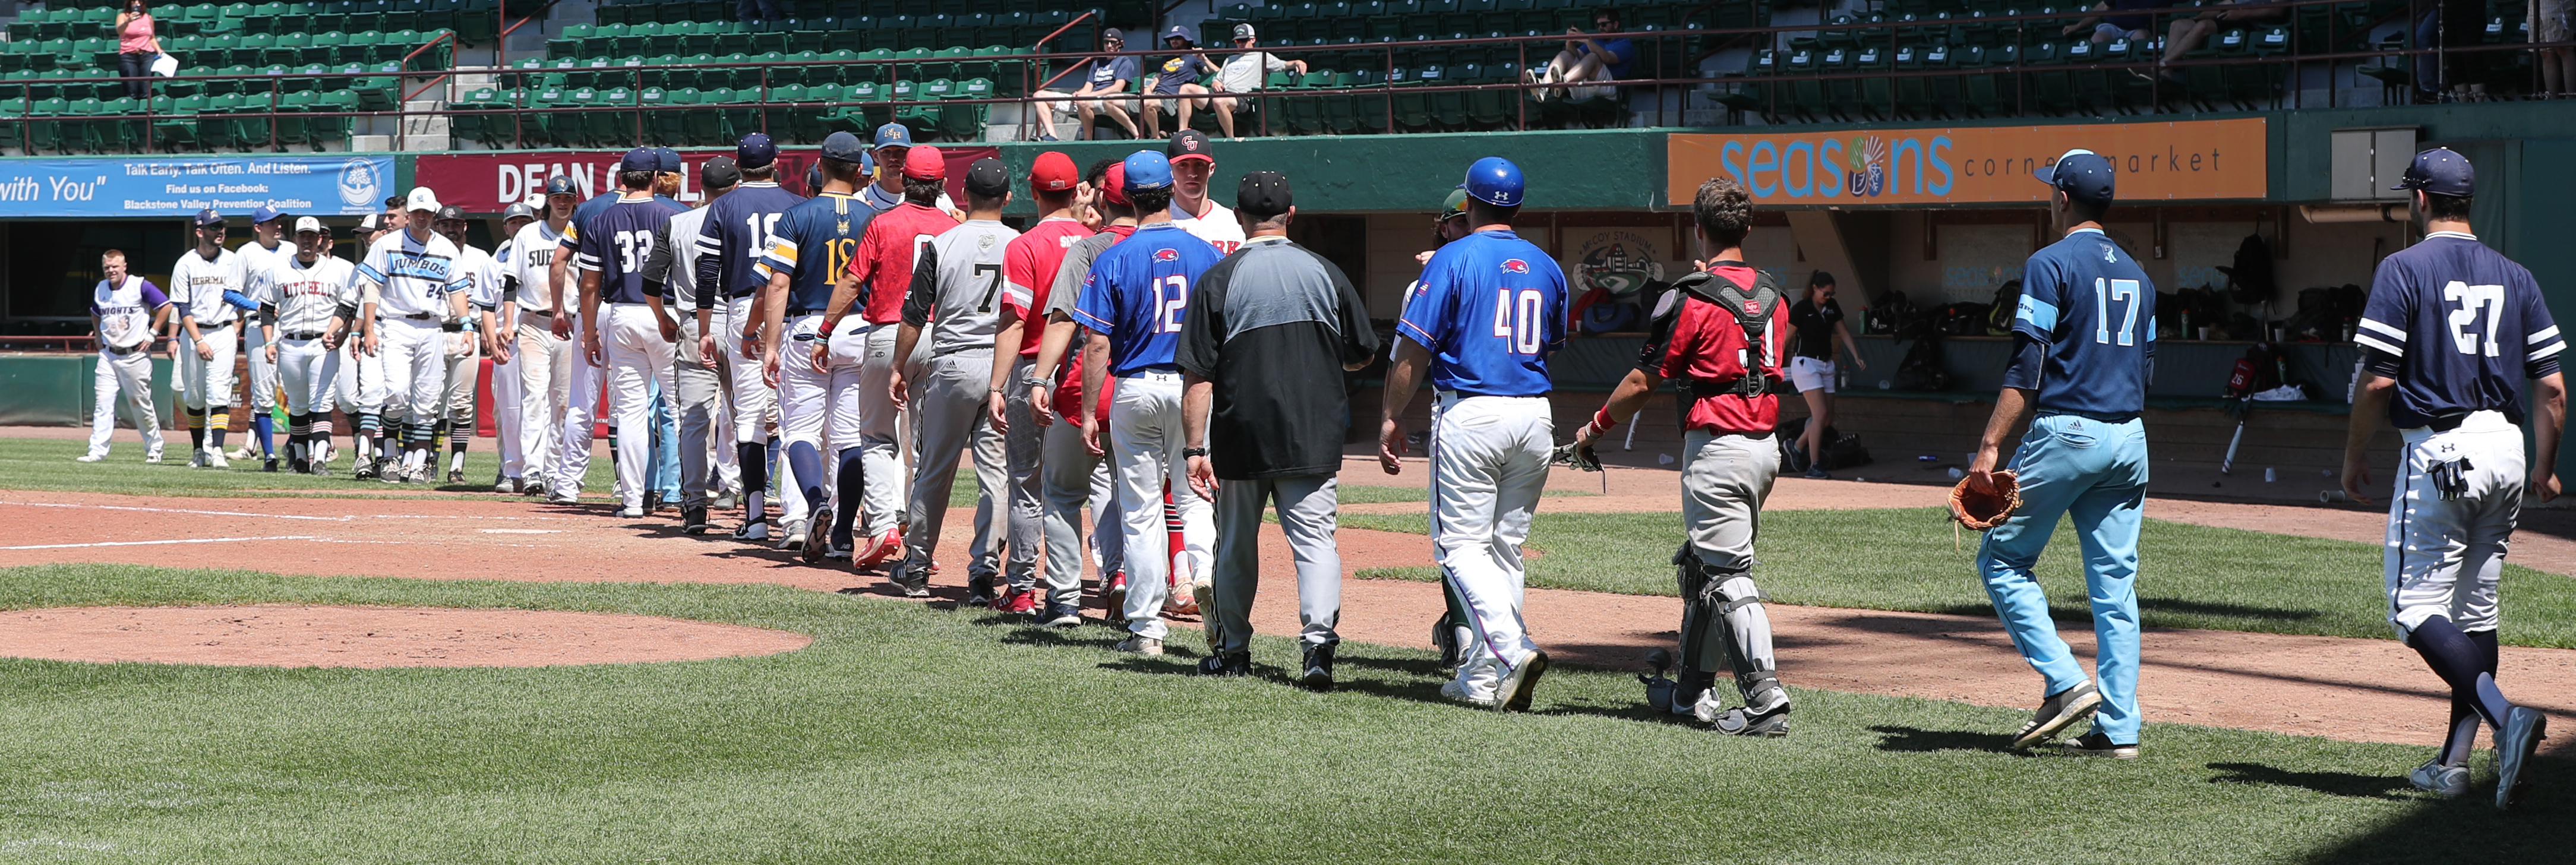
x=1494 y=180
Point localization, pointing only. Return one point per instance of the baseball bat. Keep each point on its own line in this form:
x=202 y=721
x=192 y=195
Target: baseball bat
x=2227 y=466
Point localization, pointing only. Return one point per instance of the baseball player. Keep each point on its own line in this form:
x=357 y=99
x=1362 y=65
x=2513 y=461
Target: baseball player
x=1491 y=309
x=693 y=379
x=584 y=393
x=1029 y=268
x=359 y=392
x=1134 y=302
x=878 y=277
x=1723 y=330
x=1449 y=633
x=956 y=289
x=1074 y=472
x=497 y=323
x=633 y=340
x=464 y=350
x=810 y=249
x=1263 y=350
x=300 y=323
x=266 y=249
x=893 y=143
x=2451 y=332
x=215 y=285
x=125 y=311
x=738 y=231
x=2084 y=346
x=1192 y=209
x=420 y=288
x=543 y=355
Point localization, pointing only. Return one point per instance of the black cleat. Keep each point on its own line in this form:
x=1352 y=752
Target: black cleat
x=1226 y=664
x=694 y=521
x=1319 y=668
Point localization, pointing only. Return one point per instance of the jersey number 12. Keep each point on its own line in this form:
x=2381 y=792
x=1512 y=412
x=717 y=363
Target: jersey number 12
x=2110 y=291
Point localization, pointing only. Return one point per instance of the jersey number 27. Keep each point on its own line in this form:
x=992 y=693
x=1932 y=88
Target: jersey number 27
x=2470 y=297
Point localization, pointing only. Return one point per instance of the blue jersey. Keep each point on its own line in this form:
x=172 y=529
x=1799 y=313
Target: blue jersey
x=813 y=245
x=581 y=213
x=736 y=236
x=2088 y=319
x=617 y=242
x=1491 y=309
x=1138 y=295
x=2459 y=326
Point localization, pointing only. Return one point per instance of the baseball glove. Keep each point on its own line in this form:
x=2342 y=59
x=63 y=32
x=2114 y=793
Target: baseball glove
x=1578 y=456
x=1985 y=510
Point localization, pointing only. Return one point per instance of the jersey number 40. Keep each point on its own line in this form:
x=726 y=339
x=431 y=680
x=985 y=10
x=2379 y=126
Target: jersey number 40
x=1517 y=319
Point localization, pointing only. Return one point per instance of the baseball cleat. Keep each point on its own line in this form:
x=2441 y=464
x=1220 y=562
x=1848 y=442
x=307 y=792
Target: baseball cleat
x=693 y=521
x=364 y=469
x=1226 y=664
x=1519 y=681
x=1019 y=601
x=979 y=591
x=631 y=512
x=455 y=476
x=1146 y=646
x=1319 y=668
x=2060 y=711
x=215 y=460
x=793 y=539
x=1203 y=599
x=2524 y=727
x=89 y=458
x=566 y=496
x=268 y=465
x=1460 y=691
x=1772 y=724
x=506 y=486
x=1061 y=616
x=880 y=548
x=152 y=456
x=241 y=453
x=912 y=583
x=818 y=541
x=532 y=486
x=1113 y=595
x=653 y=501
x=2448 y=782
x=2095 y=744
x=752 y=532
x=299 y=466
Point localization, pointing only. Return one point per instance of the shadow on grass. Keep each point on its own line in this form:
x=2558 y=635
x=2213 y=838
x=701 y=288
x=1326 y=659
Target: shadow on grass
x=1916 y=740
x=2329 y=783
x=2068 y=614
x=2537 y=830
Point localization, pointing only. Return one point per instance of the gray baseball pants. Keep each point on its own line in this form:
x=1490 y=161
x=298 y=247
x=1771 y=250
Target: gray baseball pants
x=948 y=410
x=1308 y=513
x=695 y=384
x=1022 y=446
x=1072 y=476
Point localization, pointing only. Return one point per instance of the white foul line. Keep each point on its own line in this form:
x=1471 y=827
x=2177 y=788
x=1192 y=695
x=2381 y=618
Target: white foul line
x=338 y=519
x=154 y=543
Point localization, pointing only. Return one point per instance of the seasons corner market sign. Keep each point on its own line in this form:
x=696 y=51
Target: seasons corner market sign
x=2196 y=160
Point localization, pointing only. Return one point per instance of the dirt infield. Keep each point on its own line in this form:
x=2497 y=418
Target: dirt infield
x=372 y=637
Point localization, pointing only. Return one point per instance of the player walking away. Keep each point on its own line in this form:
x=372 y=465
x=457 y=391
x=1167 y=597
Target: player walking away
x=1074 y=470
x=738 y=230
x=1449 y=633
x=955 y=296
x=1192 y=162
x=877 y=278
x=496 y=321
x=1133 y=302
x=693 y=376
x=544 y=357
x=464 y=354
x=812 y=246
x=359 y=391
x=1263 y=350
x=299 y=318
x=2083 y=349
x=2451 y=330
x=125 y=311
x=421 y=288
x=1029 y=268
x=1717 y=333
x=1492 y=308
x=212 y=280
x=581 y=408
x=1819 y=321
x=266 y=249
x=633 y=339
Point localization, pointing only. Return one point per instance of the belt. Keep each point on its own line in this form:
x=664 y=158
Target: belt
x=2096 y=416
x=540 y=313
x=301 y=335
x=121 y=352
x=962 y=350
x=453 y=327
x=421 y=316
x=2452 y=421
x=1162 y=368
x=795 y=311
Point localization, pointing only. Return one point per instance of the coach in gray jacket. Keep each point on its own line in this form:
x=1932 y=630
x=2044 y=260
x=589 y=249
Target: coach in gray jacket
x=1269 y=333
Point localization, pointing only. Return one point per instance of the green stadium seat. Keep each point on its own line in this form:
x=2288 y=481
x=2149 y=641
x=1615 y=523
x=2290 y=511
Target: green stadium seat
x=175 y=128
x=321 y=132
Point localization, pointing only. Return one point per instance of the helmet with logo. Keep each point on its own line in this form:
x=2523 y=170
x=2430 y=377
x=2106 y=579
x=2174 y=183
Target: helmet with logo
x=1494 y=180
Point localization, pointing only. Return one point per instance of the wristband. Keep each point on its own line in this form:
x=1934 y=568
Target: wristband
x=1187 y=453
x=1601 y=421
x=1034 y=381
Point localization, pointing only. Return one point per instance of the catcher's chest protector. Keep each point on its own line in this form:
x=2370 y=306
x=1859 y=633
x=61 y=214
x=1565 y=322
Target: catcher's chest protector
x=1753 y=311
x=1724 y=346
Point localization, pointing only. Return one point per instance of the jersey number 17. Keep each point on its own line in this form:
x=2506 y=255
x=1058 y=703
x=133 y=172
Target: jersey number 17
x=2124 y=293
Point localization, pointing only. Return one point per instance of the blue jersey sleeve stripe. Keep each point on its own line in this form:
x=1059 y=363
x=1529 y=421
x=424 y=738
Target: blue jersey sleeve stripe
x=372 y=274
x=2040 y=313
x=2371 y=342
x=1093 y=322
x=1416 y=333
x=2391 y=332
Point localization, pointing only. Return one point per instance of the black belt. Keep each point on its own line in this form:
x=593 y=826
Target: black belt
x=2449 y=422
x=304 y=335
x=453 y=327
x=795 y=311
x=540 y=313
x=2102 y=417
x=421 y=316
x=121 y=352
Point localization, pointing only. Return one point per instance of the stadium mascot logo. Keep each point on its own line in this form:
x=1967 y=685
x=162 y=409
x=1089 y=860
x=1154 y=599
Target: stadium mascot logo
x=1868 y=163
x=359 y=186
x=1167 y=254
x=1614 y=273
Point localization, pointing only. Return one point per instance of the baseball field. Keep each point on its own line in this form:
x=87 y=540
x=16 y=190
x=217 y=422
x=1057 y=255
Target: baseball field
x=228 y=666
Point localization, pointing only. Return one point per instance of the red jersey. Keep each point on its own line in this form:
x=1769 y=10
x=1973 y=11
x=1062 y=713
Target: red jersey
x=884 y=260
x=1028 y=266
x=1691 y=339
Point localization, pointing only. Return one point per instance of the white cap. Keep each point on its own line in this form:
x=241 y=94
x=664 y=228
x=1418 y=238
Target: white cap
x=422 y=199
x=307 y=223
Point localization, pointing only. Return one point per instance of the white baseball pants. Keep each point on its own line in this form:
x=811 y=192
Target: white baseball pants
x=262 y=386
x=545 y=377
x=359 y=388
x=751 y=396
x=1145 y=445
x=414 y=351
x=309 y=372
x=2444 y=556
x=580 y=414
x=128 y=375
x=1488 y=465
x=817 y=408
x=638 y=360
x=208 y=382
x=508 y=421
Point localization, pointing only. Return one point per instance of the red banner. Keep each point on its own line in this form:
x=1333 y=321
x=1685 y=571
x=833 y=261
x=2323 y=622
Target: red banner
x=485 y=183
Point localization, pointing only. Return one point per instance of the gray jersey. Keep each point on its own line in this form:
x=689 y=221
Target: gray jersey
x=679 y=271
x=957 y=286
x=1076 y=266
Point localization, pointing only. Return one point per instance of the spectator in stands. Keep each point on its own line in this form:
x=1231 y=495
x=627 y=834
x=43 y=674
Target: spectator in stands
x=1245 y=73
x=1588 y=58
x=2188 y=34
x=1104 y=79
x=2132 y=27
x=1176 y=88
x=135 y=47
x=2550 y=22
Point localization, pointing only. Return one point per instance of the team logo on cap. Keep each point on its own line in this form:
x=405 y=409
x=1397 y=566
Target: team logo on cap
x=1514 y=265
x=1167 y=254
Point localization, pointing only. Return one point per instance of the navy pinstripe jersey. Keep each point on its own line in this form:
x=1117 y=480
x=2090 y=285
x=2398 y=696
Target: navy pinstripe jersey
x=2459 y=326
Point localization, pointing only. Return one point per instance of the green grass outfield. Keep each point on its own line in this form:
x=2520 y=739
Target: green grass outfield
x=912 y=734
x=1902 y=559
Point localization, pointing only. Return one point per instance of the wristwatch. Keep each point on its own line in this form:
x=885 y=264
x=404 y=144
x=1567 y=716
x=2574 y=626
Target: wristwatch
x=1187 y=453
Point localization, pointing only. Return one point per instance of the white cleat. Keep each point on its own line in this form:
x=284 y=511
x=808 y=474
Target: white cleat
x=1146 y=646
x=631 y=512
x=215 y=459
x=794 y=538
x=89 y=458
x=152 y=456
x=752 y=533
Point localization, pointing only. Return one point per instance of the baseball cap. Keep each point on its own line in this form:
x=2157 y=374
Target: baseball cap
x=894 y=135
x=2441 y=171
x=1147 y=170
x=844 y=146
x=755 y=151
x=209 y=217
x=1243 y=31
x=667 y=161
x=307 y=223
x=1262 y=194
x=421 y=199
x=1053 y=172
x=639 y=159
x=518 y=211
x=1453 y=206
x=1111 y=34
x=925 y=163
x=1188 y=144
x=1178 y=32
x=371 y=223
x=265 y=214
x=987 y=177
x=1113 y=183
x=720 y=172
x=560 y=185
x=451 y=212
x=2084 y=176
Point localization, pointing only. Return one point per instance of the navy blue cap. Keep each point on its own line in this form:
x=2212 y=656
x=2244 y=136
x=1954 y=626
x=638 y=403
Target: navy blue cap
x=209 y=217
x=2082 y=174
x=668 y=161
x=1147 y=170
x=1180 y=33
x=894 y=135
x=755 y=151
x=264 y=214
x=2441 y=171
x=639 y=159
x=560 y=185
x=845 y=147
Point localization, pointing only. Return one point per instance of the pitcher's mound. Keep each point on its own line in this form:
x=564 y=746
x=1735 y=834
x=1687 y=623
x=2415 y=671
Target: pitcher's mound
x=297 y=636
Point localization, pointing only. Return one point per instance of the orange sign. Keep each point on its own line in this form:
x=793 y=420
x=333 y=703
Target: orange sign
x=2189 y=160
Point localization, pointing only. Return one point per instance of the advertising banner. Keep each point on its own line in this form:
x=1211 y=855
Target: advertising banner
x=2194 y=160
x=488 y=182
x=179 y=186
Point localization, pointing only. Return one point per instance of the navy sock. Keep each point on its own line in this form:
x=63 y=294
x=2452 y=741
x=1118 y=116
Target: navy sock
x=2461 y=661
x=264 y=425
x=769 y=460
x=755 y=478
x=806 y=461
x=853 y=488
x=196 y=429
x=218 y=422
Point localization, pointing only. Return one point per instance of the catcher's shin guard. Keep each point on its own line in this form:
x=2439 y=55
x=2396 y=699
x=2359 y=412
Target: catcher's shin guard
x=1725 y=626
x=1450 y=632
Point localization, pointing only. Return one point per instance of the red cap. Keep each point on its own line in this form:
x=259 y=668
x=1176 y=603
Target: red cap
x=1053 y=172
x=925 y=163
x=1114 y=183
